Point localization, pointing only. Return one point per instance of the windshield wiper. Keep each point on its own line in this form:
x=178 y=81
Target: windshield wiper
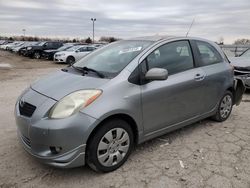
x=86 y=69
x=93 y=70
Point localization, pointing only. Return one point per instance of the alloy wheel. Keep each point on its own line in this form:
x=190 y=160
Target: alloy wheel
x=226 y=106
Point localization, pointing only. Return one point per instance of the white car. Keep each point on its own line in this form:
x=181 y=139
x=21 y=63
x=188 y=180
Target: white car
x=73 y=54
x=5 y=46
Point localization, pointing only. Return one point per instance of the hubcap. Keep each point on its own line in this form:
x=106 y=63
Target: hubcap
x=113 y=147
x=225 y=106
x=37 y=55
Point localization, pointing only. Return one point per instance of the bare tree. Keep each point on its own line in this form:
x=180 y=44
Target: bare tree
x=242 y=42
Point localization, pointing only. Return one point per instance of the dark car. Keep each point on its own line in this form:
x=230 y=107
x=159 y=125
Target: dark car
x=36 y=51
x=49 y=54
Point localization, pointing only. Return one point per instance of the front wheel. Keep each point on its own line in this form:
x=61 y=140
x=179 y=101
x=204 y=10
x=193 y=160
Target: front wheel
x=37 y=55
x=110 y=146
x=225 y=107
x=70 y=60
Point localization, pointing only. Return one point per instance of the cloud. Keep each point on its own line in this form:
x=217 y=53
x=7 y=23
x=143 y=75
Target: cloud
x=124 y=19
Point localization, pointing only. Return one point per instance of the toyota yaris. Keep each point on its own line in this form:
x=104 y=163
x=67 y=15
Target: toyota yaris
x=121 y=95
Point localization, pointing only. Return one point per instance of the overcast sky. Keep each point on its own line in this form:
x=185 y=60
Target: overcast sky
x=126 y=18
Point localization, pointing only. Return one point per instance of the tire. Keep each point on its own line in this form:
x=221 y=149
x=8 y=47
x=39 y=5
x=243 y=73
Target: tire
x=70 y=60
x=225 y=107
x=110 y=146
x=37 y=55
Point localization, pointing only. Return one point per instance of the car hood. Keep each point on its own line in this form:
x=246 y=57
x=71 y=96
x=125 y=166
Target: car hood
x=240 y=62
x=65 y=52
x=60 y=84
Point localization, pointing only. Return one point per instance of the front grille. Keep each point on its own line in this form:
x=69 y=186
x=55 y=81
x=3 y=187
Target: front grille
x=26 y=109
x=26 y=140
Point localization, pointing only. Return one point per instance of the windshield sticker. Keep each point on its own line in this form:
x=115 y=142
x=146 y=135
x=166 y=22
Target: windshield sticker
x=129 y=50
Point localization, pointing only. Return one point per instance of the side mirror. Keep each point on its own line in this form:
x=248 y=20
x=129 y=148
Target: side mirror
x=77 y=51
x=156 y=74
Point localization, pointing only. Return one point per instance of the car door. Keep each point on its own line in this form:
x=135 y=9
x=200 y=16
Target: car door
x=217 y=73
x=171 y=101
x=81 y=52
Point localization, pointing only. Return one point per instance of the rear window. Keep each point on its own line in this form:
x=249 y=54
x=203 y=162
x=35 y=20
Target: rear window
x=208 y=55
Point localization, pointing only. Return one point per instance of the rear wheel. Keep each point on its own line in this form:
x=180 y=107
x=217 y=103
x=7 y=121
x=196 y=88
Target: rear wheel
x=225 y=107
x=70 y=60
x=110 y=146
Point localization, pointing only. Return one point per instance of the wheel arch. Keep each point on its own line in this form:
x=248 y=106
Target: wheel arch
x=124 y=117
x=71 y=56
x=238 y=90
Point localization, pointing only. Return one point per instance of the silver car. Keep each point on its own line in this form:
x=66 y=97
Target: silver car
x=123 y=94
x=242 y=67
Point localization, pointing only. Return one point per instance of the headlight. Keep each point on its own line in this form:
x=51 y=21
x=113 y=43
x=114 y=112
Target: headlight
x=73 y=103
x=29 y=48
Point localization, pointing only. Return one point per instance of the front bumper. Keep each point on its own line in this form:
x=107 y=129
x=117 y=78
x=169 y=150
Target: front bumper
x=39 y=135
x=60 y=59
x=71 y=159
x=29 y=53
x=244 y=76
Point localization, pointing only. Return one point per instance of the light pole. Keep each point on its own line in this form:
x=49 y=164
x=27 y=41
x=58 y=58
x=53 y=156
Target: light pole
x=24 y=32
x=93 y=20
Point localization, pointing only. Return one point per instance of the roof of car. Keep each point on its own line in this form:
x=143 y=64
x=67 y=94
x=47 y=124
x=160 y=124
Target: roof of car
x=154 y=38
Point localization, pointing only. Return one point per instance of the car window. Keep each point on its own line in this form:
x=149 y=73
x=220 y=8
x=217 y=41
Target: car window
x=49 y=45
x=208 y=55
x=83 y=49
x=90 y=49
x=175 y=57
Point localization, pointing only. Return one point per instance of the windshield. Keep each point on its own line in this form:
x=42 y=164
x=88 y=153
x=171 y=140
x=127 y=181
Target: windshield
x=111 y=59
x=246 y=53
x=41 y=43
x=73 y=48
x=65 y=47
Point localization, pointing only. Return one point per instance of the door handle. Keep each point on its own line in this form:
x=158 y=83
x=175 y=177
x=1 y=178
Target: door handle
x=199 y=77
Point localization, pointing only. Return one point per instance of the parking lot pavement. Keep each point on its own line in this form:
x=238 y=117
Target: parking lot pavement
x=205 y=154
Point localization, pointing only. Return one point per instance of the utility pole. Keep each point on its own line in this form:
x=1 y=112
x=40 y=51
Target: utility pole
x=24 y=30
x=93 y=20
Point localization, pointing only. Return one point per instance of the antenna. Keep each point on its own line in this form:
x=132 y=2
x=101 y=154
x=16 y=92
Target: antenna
x=190 y=27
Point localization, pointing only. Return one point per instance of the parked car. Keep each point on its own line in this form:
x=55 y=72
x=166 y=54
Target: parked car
x=3 y=42
x=17 y=49
x=242 y=67
x=124 y=94
x=10 y=48
x=23 y=50
x=13 y=45
x=49 y=54
x=73 y=54
x=36 y=51
x=5 y=46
